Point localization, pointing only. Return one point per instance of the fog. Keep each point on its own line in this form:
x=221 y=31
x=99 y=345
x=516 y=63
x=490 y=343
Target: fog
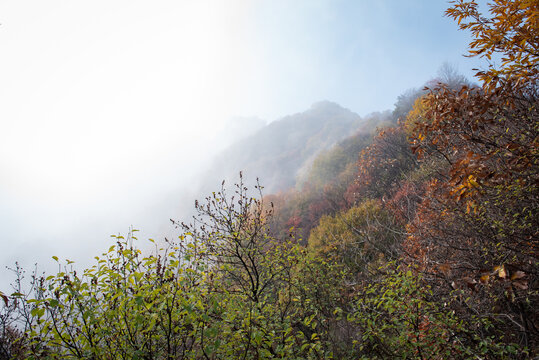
x=110 y=111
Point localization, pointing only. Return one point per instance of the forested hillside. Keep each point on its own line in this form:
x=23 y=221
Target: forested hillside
x=416 y=241
x=278 y=152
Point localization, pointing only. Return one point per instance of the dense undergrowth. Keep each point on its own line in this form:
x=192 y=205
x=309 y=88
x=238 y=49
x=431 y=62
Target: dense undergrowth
x=417 y=242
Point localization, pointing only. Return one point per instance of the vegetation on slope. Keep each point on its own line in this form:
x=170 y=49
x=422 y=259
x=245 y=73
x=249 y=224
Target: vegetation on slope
x=425 y=248
x=278 y=152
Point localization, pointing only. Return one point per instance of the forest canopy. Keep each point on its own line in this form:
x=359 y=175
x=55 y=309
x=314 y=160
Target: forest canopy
x=419 y=241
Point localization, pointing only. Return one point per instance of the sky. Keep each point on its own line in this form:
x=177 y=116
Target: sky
x=109 y=110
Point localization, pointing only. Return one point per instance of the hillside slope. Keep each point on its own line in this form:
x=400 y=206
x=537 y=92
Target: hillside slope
x=277 y=152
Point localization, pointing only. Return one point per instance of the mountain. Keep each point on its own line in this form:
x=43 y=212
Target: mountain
x=278 y=152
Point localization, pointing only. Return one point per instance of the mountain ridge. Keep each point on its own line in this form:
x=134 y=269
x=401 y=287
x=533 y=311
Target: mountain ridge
x=278 y=151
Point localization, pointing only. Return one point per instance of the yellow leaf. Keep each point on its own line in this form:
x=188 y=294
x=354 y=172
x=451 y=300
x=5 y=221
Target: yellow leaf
x=501 y=272
x=472 y=180
x=5 y=298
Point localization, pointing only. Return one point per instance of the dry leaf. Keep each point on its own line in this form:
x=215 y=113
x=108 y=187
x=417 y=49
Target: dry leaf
x=518 y=275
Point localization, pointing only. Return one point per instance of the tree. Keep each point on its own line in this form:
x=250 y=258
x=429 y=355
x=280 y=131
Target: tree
x=356 y=238
x=225 y=289
x=476 y=229
x=397 y=317
x=382 y=165
x=512 y=31
x=231 y=234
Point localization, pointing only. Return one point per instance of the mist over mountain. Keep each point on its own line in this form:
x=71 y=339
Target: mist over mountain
x=277 y=152
x=407 y=233
x=238 y=128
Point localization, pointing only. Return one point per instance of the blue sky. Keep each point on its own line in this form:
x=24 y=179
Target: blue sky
x=361 y=54
x=109 y=108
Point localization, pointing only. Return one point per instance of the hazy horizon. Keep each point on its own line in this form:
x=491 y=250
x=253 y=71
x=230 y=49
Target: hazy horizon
x=110 y=110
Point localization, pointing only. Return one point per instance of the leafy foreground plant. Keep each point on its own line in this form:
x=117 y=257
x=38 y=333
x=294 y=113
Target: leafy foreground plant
x=226 y=289
x=398 y=318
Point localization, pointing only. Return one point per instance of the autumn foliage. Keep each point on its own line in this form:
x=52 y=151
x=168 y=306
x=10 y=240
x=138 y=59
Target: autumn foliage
x=419 y=242
x=510 y=32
